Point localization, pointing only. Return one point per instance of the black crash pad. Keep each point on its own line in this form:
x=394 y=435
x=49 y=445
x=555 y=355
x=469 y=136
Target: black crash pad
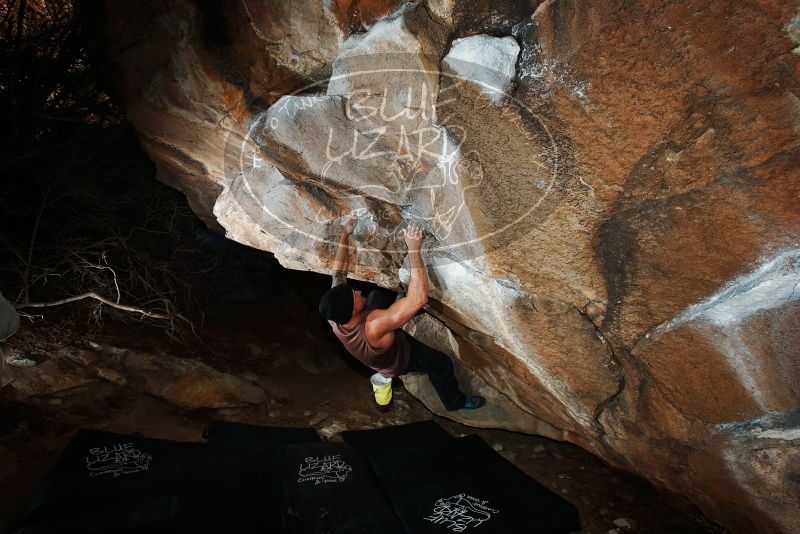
x=330 y=490
x=423 y=433
x=262 y=479
x=239 y=477
x=107 y=482
x=465 y=485
x=240 y=435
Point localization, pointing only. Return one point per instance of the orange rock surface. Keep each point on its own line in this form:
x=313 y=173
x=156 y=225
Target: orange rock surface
x=614 y=240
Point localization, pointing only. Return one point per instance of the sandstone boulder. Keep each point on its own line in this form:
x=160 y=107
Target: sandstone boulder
x=190 y=383
x=486 y=61
x=52 y=376
x=613 y=230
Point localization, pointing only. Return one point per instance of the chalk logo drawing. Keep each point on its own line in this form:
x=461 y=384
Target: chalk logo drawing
x=392 y=144
x=117 y=460
x=461 y=512
x=323 y=470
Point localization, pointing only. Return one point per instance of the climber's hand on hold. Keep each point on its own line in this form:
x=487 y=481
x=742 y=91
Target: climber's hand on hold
x=349 y=226
x=414 y=236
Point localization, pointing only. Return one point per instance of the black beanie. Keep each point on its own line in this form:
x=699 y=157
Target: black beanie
x=337 y=304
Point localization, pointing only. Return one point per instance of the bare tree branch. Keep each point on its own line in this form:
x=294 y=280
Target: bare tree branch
x=93 y=295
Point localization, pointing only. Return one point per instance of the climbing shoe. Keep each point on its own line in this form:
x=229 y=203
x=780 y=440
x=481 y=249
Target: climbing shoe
x=473 y=401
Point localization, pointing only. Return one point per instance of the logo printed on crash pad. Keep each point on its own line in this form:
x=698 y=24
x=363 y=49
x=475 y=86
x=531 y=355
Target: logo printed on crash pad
x=461 y=512
x=117 y=460
x=323 y=469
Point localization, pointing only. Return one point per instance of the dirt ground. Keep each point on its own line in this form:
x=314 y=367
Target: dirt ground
x=281 y=345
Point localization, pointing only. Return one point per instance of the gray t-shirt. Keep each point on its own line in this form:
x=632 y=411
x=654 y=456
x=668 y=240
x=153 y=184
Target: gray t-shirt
x=391 y=362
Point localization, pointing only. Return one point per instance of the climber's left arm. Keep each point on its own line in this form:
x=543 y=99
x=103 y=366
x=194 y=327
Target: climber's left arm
x=341 y=265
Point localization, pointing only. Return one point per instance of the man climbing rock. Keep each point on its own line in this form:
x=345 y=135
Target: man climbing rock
x=375 y=336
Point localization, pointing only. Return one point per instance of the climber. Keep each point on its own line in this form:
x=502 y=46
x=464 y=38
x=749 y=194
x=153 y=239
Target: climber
x=375 y=337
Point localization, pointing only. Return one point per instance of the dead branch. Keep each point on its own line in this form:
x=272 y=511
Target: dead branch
x=93 y=295
x=91 y=207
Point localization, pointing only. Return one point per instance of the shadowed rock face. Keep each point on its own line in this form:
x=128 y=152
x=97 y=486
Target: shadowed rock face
x=611 y=194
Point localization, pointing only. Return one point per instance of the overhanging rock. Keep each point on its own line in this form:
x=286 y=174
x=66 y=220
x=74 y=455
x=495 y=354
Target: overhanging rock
x=592 y=234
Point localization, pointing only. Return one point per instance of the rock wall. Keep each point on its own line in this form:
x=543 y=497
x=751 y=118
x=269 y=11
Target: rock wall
x=611 y=193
